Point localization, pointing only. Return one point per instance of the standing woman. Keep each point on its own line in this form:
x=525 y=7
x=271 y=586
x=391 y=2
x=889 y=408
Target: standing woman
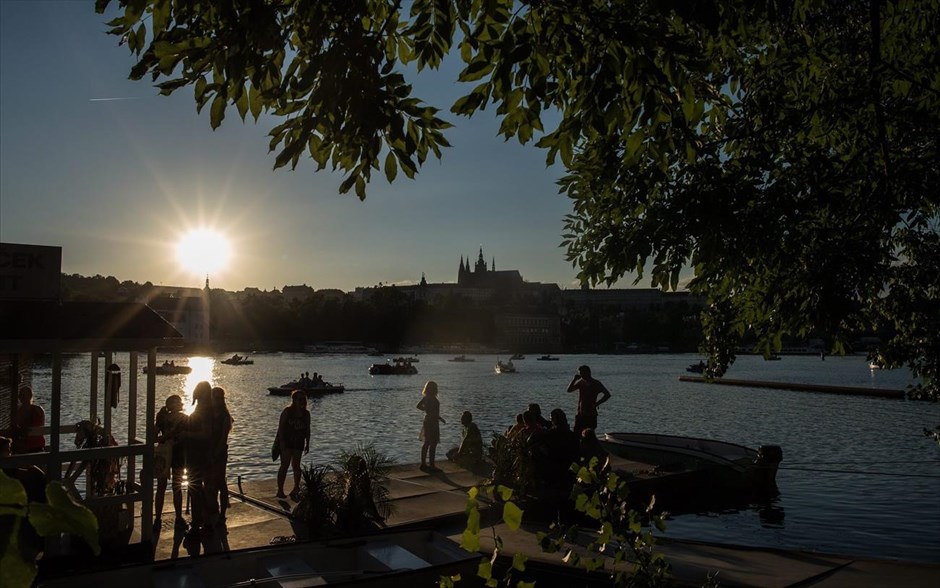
x=430 y=430
x=222 y=426
x=199 y=438
x=170 y=425
x=293 y=434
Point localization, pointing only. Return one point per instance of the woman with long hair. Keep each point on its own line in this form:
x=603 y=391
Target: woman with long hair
x=218 y=463
x=293 y=434
x=430 y=429
x=198 y=457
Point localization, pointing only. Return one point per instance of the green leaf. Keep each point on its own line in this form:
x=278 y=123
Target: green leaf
x=505 y=492
x=12 y=495
x=17 y=573
x=217 y=112
x=485 y=569
x=476 y=70
x=470 y=541
x=242 y=103
x=391 y=167
x=518 y=561
x=61 y=515
x=255 y=101
x=512 y=515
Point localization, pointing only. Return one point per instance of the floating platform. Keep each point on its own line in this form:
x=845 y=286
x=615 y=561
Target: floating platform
x=798 y=387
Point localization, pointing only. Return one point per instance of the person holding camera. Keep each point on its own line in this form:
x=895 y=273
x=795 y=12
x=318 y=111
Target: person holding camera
x=588 y=391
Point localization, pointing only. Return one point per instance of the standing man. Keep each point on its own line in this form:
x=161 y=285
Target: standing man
x=588 y=391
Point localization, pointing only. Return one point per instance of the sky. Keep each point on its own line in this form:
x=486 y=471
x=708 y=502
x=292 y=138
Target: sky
x=116 y=175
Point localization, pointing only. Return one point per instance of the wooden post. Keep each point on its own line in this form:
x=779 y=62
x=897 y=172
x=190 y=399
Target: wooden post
x=54 y=469
x=107 y=393
x=146 y=476
x=132 y=423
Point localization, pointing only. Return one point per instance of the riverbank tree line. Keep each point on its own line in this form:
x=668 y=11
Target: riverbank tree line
x=390 y=319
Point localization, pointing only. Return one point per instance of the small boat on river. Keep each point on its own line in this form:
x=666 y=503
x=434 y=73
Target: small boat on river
x=309 y=386
x=548 y=357
x=711 y=465
x=402 y=558
x=697 y=368
x=505 y=368
x=398 y=367
x=238 y=360
x=516 y=357
x=461 y=358
x=169 y=368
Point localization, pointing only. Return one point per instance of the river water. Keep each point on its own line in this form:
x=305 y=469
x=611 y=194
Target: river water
x=858 y=475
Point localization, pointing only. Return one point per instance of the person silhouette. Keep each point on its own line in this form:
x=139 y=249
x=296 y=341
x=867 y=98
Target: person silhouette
x=430 y=427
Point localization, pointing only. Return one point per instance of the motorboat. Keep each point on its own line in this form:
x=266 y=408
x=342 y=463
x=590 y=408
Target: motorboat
x=697 y=368
x=461 y=358
x=516 y=357
x=309 y=386
x=710 y=464
x=397 y=558
x=548 y=357
x=505 y=368
x=396 y=368
x=238 y=360
x=169 y=368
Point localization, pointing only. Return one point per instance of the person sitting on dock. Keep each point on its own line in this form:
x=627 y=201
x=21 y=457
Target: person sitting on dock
x=28 y=416
x=515 y=427
x=591 y=448
x=470 y=452
x=553 y=451
x=536 y=410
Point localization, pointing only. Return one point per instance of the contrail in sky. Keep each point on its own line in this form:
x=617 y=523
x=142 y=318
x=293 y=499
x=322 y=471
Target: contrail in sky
x=111 y=99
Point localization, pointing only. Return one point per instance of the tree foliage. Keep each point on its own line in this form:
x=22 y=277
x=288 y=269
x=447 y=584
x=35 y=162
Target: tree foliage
x=786 y=150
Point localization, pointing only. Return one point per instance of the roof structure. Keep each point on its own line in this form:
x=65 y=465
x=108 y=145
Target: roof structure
x=83 y=326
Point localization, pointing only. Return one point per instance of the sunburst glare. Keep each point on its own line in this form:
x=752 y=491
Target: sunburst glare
x=203 y=251
x=202 y=370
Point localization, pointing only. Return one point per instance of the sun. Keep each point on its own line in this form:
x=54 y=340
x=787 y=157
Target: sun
x=203 y=251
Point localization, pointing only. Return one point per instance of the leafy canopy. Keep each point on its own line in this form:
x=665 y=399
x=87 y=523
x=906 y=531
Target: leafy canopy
x=786 y=150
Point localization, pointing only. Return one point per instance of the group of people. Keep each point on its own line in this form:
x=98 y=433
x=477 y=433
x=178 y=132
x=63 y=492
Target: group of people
x=307 y=380
x=197 y=445
x=552 y=437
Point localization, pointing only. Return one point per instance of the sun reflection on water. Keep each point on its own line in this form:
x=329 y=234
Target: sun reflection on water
x=202 y=370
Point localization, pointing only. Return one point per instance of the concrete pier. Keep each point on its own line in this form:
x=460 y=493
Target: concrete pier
x=798 y=387
x=438 y=500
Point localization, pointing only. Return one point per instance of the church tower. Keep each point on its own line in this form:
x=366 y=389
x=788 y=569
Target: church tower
x=480 y=267
x=462 y=272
